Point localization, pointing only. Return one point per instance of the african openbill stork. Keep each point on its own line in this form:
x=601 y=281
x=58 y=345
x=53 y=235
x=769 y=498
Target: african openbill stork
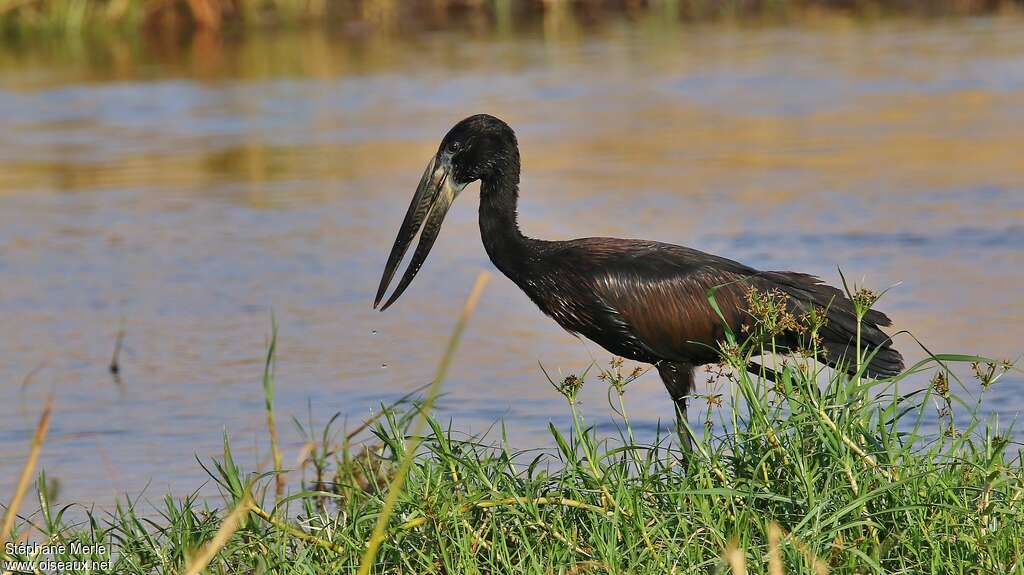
x=639 y=299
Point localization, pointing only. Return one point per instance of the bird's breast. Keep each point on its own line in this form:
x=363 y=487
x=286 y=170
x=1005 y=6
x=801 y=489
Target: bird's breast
x=580 y=310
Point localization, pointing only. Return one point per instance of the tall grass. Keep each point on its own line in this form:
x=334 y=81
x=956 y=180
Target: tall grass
x=819 y=472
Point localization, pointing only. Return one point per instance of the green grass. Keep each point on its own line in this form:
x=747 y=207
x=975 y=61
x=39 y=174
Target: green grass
x=821 y=472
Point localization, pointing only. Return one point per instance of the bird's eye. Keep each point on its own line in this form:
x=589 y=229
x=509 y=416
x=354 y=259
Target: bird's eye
x=454 y=147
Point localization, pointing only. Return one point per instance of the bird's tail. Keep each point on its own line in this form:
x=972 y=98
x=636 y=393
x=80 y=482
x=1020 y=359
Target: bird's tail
x=839 y=334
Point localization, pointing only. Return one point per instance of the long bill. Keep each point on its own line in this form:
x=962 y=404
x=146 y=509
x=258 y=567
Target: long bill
x=433 y=197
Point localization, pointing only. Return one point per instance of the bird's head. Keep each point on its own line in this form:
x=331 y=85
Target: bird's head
x=481 y=147
x=477 y=148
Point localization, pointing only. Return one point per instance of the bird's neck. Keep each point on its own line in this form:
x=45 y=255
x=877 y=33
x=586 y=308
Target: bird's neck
x=507 y=247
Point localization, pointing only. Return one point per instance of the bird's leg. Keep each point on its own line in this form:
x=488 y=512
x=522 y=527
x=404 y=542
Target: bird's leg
x=678 y=380
x=685 y=440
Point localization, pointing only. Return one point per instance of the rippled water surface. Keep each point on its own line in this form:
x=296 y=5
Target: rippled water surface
x=190 y=195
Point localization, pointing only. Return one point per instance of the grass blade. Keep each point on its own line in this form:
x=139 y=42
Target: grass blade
x=395 y=487
x=26 y=473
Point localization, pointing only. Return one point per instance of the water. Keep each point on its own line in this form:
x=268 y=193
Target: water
x=191 y=194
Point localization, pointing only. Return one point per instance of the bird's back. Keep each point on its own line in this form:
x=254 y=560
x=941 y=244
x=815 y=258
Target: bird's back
x=649 y=301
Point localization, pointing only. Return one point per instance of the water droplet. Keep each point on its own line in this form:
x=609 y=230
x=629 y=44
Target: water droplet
x=383 y=366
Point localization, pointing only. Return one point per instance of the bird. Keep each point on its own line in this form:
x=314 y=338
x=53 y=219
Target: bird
x=643 y=300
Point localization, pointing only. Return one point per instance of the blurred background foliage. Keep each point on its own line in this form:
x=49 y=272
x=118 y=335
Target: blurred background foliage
x=400 y=16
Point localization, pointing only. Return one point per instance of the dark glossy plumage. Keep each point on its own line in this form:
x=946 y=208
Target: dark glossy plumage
x=647 y=301
x=639 y=299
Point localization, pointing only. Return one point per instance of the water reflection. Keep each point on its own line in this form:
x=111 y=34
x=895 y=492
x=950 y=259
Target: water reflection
x=190 y=195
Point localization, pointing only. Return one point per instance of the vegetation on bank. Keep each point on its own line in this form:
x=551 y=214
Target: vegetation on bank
x=214 y=15
x=819 y=472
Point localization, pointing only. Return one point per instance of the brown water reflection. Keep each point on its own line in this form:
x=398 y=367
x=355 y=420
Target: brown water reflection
x=190 y=194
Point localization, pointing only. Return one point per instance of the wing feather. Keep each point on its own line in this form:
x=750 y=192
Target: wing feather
x=649 y=301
